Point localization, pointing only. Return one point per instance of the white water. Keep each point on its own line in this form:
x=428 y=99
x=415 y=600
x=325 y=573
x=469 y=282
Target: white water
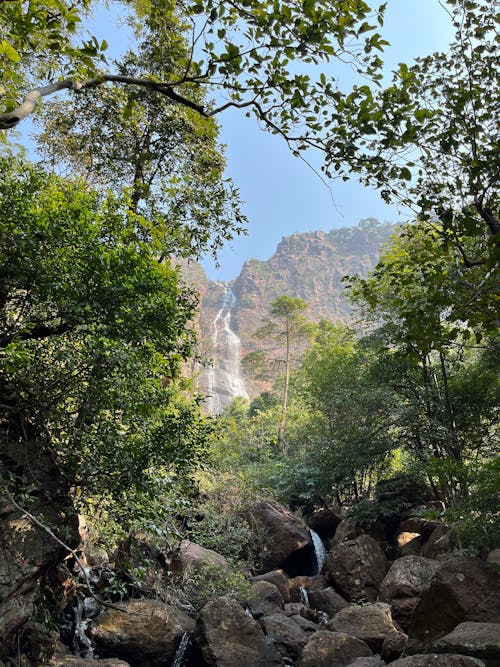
x=319 y=547
x=224 y=379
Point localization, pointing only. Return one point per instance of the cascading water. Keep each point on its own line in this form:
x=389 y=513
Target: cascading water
x=224 y=379
x=319 y=548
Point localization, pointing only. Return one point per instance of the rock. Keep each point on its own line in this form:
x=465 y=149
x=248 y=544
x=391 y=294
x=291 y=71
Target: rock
x=407 y=542
x=394 y=646
x=96 y=556
x=264 y=600
x=308 y=626
x=324 y=522
x=327 y=601
x=298 y=609
x=479 y=640
x=370 y=661
x=462 y=589
x=147 y=633
x=434 y=660
x=403 y=583
x=280 y=580
x=357 y=568
x=285 y=634
x=407 y=577
x=27 y=551
x=300 y=584
x=372 y=623
x=191 y=556
x=348 y=529
x=441 y=541
x=493 y=558
x=332 y=649
x=286 y=539
x=74 y=661
x=228 y=637
x=417 y=524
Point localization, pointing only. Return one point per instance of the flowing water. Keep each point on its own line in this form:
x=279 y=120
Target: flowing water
x=224 y=379
x=319 y=548
x=182 y=651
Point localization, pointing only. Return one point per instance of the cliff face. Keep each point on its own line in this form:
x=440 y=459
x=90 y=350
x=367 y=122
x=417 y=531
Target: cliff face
x=307 y=265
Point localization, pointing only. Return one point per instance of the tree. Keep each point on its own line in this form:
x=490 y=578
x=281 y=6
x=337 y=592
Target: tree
x=257 y=56
x=165 y=155
x=285 y=324
x=93 y=331
x=429 y=141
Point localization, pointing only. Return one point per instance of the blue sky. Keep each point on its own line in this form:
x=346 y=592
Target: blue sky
x=282 y=195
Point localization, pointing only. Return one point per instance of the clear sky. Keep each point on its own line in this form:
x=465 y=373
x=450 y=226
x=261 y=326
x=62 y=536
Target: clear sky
x=282 y=195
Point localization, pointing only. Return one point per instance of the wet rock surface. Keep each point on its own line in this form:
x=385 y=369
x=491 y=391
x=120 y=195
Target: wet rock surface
x=332 y=649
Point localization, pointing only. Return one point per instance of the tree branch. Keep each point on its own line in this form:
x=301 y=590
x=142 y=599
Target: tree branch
x=30 y=101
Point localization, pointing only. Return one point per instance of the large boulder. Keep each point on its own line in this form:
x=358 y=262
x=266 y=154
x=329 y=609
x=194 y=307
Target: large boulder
x=436 y=660
x=407 y=577
x=332 y=649
x=327 y=600
x=441 y=541
x=348 y=529
x=462 y=589
x=285 y=634
x=147 y=632
x=264 y=599
x=286 y=540
x=191 y=556
x=403 y=583
x=228 y=637
x=479 y=640
x=357 y=568
x=372 y=623
x=279 y=579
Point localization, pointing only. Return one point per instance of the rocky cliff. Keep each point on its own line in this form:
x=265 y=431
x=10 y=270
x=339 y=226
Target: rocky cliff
x=308 y=265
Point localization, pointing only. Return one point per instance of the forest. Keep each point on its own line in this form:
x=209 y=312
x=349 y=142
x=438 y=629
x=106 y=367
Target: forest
x=123 y=179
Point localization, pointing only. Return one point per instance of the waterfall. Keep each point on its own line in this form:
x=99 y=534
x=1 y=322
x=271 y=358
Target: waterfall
x=182 y=650
x=224 y=379
x=319 y=548
x=304 y=597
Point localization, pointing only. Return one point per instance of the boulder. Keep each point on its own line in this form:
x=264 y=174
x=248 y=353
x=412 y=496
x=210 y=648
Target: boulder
x=372 y=623
x=479 y=640
x=436 y=660
x=409 y=543
x=191 y=556
x=327 y=601
x=370 y=661
x=462 y=589
x=324 y=522
x=394 y=646
x=357 y=568
x=404 y=489
x=228 y=637
x=332 y=649
x=146 y=633
x=403 y=583
x=298 y=609
x=280 y=580
x=307 y=625
x=348 y=529
x=299 y=585
x=264 y=599
x=442 y=540
x=493 y=558
x=407 y=577
x=417 y=524
x=285 y=634
x=286 y=539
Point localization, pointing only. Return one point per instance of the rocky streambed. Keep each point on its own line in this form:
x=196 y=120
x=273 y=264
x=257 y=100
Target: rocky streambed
x=397 y=594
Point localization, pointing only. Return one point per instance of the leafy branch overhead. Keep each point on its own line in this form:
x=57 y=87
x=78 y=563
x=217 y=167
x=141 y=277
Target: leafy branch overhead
x=257 y=55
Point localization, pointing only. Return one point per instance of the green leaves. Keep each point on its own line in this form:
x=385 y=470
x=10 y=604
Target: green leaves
x=9 y=52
